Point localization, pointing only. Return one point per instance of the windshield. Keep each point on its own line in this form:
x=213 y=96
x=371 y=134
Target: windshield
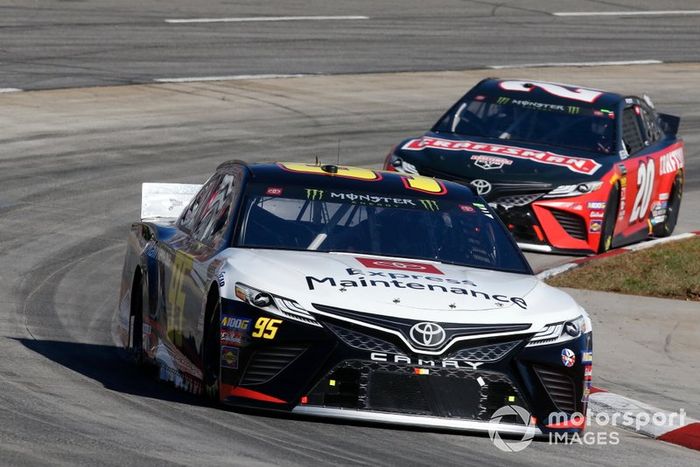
x=504 y=118
x=299 y=218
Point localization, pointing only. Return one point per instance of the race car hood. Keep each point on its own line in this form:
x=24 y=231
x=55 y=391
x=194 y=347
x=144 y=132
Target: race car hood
x=402 y=288
x=446 y=156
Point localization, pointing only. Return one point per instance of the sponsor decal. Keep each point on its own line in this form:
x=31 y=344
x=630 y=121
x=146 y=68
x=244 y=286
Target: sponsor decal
x=595 y=226
x=232 y=322
x=399 y=265
x=221 y=279
x=391 y=280
x=273 y=191
x=490 y=162
x=314 y=194
x=596 y=205
x=371 y=200
x=427 y=334
x=482 y=187
x=466 y=208
x=568 y=358
x=657 y=219
x=429 y=204
x=538 y=105
x=597 y=214
x=399 y=358
x=663 y=196
x=575 y=164
x=229 y=357
x=671 y=162
x=587 y=357
x=659 y=208
x=483 y=209
x=234 y=338
x=588 y=370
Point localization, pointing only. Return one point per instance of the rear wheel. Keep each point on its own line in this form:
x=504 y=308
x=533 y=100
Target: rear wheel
x=211 y=351
x=609 y=220
x=665 y=228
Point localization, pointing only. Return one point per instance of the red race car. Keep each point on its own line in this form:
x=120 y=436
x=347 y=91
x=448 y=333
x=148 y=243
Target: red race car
x=568 y=169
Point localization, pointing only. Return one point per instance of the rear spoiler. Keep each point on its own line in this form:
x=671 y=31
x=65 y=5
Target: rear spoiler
x=669 y=124
x=165 y=200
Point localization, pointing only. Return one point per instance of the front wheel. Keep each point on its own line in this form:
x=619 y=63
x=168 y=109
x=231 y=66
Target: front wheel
x=609 y=220
x=211 y=354
x=665 y=228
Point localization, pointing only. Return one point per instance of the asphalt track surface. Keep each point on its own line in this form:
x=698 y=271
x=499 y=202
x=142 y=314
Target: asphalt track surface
x=50 y=44
x=71 y=165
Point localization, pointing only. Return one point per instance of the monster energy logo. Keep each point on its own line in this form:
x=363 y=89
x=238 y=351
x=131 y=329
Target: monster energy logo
x=572 y=109
x=429 y=205
x=502 y=100
x=314 y=194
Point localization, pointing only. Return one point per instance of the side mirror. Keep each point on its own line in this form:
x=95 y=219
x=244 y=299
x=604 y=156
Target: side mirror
x=669 y=124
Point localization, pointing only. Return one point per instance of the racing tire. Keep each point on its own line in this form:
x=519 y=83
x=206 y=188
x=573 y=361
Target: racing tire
x=138 y=298
x=666 y=228
x=609 y=220
x=211 y=353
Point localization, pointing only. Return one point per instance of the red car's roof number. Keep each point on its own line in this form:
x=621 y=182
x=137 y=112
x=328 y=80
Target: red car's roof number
x=577 y=94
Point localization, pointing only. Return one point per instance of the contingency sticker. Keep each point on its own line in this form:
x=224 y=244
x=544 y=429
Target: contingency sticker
x=229 y=357
x=399 y=265
x=568 y=357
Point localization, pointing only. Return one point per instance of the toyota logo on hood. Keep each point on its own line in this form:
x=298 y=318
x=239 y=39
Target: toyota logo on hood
x=427 y=334
x=482 y=187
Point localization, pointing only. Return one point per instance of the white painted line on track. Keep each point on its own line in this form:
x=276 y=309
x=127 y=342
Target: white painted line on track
x=196 y=79
x=586 y=64
x=10 y=90
x=627 y=13
x=253 y=19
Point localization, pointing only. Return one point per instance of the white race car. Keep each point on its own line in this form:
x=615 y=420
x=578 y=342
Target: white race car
x=353 y=293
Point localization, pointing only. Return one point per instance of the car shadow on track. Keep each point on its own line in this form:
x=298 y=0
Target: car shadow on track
x=115 y=370
x=110 y=366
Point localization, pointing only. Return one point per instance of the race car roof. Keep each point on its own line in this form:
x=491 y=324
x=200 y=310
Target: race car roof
x=549 y=92
x=357 y=179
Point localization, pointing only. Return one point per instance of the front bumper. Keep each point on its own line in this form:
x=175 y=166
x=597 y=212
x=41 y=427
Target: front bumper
x=348 y=371
x=416 y=420
x=552 y=227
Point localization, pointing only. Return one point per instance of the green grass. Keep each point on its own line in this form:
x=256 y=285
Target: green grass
x=670 y=270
